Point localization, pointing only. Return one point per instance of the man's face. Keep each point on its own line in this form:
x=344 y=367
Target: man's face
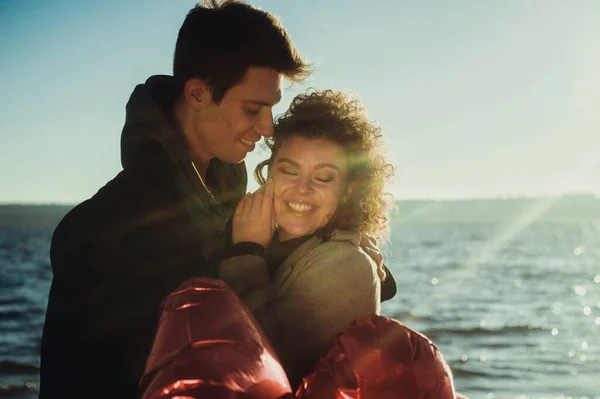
x=229 y=130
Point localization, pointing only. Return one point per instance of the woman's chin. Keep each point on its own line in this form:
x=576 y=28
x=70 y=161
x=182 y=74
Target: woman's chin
x=290 y=232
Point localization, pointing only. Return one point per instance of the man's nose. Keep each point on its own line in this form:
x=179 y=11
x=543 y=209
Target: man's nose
x=265 y=125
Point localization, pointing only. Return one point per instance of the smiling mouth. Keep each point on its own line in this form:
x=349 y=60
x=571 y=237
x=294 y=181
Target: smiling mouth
x=248 y=143
x=300 y=208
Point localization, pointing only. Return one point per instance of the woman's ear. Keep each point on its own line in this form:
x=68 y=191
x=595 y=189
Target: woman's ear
x=347 y=195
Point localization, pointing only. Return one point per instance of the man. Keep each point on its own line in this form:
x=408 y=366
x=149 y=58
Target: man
x=164 y=216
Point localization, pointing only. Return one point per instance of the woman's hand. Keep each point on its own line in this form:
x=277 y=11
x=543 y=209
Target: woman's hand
x=254 y=217
x=369 y=245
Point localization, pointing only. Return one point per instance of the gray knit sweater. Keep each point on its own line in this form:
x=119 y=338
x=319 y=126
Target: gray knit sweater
x=318 y=289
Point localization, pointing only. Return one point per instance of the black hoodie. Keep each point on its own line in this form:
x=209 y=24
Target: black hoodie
x=118 y=254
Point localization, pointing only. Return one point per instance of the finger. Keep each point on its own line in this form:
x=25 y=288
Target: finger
x=375 y=254
x=242 y=208
x=239 y=207
x=257 y=198
x=273 y=222
x=267 y=200
x=261 y=189
x=381 y=273
x=369 y=247
x=367 y=242
x=378 y=257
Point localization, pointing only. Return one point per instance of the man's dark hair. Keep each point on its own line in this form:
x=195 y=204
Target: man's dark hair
x=219 y=42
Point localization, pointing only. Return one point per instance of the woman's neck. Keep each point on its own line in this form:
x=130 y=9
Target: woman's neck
x=285 y=236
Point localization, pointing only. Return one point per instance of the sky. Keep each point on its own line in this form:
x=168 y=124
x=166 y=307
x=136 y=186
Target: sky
x=475 y=98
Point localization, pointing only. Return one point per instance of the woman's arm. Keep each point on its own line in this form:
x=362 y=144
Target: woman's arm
x=248 y=276
x=334 y=285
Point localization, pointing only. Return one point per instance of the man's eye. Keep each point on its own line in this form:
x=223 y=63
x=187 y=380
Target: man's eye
x=250 y=111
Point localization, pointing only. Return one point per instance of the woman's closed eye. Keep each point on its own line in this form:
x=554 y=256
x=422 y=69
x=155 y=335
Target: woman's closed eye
x=325 y=175
x=324 y=179
x=288 y=172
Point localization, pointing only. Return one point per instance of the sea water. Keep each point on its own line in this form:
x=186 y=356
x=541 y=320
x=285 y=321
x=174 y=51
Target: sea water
x=515 y=309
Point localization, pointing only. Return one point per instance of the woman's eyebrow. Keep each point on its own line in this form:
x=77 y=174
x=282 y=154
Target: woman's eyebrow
x=327 y=165
x=287 y=160
x=319 y=166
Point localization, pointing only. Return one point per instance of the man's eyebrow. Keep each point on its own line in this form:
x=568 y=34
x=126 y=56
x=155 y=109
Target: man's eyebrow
x=258 y=102
x=267 y=103
x=319 y=166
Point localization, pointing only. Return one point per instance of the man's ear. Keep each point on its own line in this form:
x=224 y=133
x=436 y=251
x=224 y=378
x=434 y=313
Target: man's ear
x=196 y=93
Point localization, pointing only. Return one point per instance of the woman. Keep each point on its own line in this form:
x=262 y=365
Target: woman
x=296 y=260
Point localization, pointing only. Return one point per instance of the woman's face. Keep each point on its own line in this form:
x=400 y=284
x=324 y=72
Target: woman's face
x=309 y=176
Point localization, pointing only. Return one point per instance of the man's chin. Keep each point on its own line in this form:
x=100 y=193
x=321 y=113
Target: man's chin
x=233 y=159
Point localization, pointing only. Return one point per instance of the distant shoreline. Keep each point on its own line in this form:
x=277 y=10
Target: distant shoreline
x=32 y=216
x=576 y=196
x=566 y=208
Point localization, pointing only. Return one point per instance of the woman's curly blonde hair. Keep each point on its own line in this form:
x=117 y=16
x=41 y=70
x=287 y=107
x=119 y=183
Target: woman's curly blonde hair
x=339 y=118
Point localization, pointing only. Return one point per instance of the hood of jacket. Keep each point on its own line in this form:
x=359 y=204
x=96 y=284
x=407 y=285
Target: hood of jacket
x=152 y=139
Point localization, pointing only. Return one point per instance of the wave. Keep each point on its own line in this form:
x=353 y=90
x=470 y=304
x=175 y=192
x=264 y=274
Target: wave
x=464 y=373
x=480 y=331
x=18 y=368
x=494 y=373
x=23 y=314
x=430 y=243
x=11 y=391
x=505 y=345
x=12 y=301
x=476 y=238
x=12 y=314
x=409 y=316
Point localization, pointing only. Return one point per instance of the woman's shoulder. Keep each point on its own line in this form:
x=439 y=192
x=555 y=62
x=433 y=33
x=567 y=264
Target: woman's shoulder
x=328 y=254
x=342 y=245
x=351 y=237
x=337 y=259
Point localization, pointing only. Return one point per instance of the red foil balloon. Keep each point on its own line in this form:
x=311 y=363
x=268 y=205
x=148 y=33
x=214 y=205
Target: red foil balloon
x=379 y=358
x=209 y=346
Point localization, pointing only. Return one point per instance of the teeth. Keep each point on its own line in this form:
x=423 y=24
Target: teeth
x=247 y=142
x=300 y=207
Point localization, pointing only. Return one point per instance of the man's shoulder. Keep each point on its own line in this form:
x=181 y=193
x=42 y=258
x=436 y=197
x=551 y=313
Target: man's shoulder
x=127 y=193
x=128 y=206
x=124 y=187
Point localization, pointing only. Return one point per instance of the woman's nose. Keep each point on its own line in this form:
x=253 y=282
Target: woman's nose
x=304 y=186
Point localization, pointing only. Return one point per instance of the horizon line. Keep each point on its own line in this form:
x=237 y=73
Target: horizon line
x=396 y=199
